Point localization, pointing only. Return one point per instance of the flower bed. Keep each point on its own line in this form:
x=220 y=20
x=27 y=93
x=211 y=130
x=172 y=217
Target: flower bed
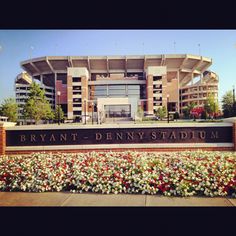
x=172 y=174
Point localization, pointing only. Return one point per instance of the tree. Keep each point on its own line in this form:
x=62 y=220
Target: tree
x=58 y=114
x=211 y=105
x=188 y=109
x=161 y=112
x=197 y=111
x=36 y=106
x=9 y=109
x=176 y=115
x=203 y=115
x=227 y=104
x=140 y=112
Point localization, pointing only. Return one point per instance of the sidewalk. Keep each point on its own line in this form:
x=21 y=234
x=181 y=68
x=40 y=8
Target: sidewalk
x=92 y=199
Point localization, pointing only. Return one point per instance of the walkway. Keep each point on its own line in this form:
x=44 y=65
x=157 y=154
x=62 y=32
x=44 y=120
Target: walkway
x=92 y=199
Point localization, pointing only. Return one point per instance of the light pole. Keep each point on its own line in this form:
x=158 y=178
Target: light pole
x=58 y=110
x=31 y=50
x=199 y=49
x=92 y=112
x=85 y=111
x=168 y=108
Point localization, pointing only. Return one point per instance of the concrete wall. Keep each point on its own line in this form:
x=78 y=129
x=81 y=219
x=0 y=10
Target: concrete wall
x=77 y=71
x=156 y=70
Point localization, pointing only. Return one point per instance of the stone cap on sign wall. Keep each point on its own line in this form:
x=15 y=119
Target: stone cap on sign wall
x=7 y=124
x=230 y=119
x=115 y=126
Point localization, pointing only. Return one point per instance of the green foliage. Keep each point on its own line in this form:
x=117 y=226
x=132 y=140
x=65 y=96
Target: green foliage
x=211 y=105
x=161 y=112
x=36 y=106
x=176 y=115
x=203 y=115
x=58 y=114
x=9 y=109
x=227 y=104
x=187 y=110
x=140 y=112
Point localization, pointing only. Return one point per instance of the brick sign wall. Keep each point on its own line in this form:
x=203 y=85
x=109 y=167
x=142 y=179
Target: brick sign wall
x=118 y=136
x=19 y=139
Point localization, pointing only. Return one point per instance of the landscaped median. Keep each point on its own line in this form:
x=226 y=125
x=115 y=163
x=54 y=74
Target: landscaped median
x=172 y=174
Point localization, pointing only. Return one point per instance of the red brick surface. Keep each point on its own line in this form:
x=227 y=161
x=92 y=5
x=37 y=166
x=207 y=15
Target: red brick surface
x=234 y=135
x=63 y=89
x=2 y=140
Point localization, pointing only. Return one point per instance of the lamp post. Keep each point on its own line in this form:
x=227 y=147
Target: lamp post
x=168 y=108
x=58 y=110
x=92 y=111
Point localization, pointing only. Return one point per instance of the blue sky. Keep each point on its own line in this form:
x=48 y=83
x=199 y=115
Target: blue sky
x=15 y=46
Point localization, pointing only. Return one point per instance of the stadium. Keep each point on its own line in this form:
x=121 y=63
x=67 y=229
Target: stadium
x=104 y=88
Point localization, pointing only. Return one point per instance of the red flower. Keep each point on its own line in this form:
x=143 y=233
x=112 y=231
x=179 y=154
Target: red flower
x=162 y=188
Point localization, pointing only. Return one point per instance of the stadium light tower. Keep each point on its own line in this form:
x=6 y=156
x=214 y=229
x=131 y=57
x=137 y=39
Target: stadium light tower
x=199 y=49
x=1 y=49
x=31 y=50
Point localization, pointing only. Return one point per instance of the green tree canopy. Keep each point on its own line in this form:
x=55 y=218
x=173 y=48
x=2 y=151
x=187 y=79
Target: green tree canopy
x=161 y=112
x=203 y=115
x=187 y=110
x=227 y=104
x=36 y=106
x=140 y=112
x=58 y=114
x=211 y=104
x=176 y=115
x=9 y=108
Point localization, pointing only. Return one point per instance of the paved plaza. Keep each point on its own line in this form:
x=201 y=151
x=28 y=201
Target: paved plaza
x=92 y=199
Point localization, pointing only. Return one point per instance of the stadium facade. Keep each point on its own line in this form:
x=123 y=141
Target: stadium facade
x=108 y=87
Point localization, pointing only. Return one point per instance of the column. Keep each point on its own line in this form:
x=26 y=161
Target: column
x=84 y=94
x=149 y=94
x=41 y=79
x=69 y=97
